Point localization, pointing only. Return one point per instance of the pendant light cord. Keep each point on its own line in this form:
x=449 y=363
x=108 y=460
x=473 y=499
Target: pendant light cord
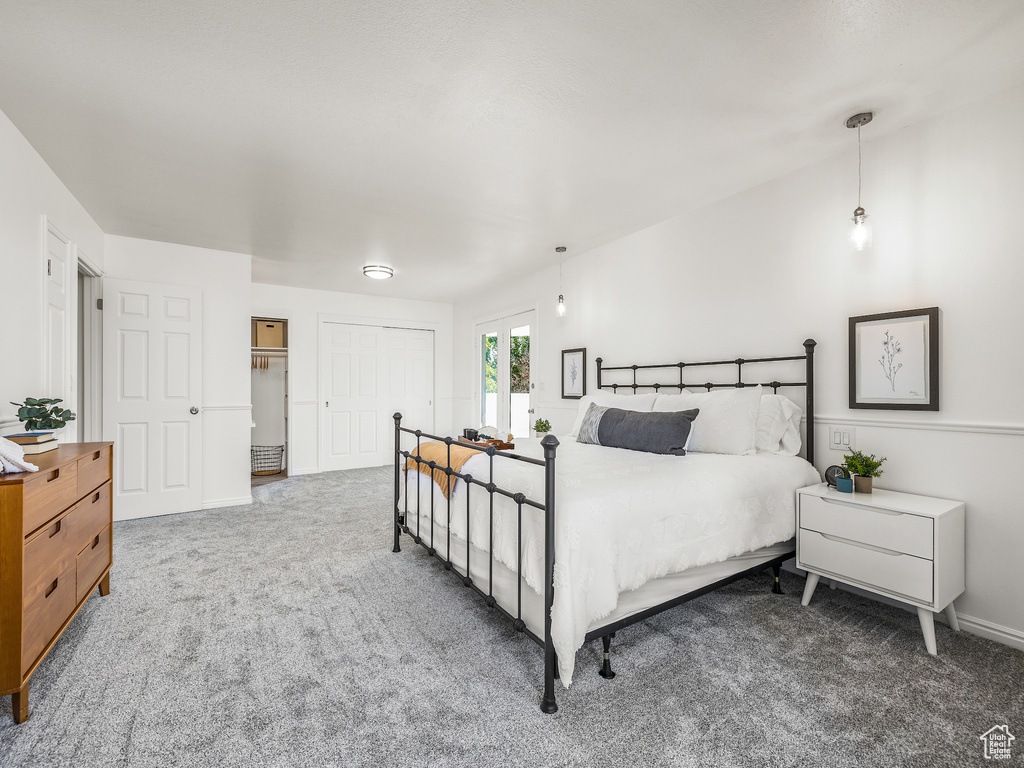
x=859 y=161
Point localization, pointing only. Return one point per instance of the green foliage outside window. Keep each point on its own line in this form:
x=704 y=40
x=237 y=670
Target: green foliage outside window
x=519 y=370
x=519 y=364
x=490 y=364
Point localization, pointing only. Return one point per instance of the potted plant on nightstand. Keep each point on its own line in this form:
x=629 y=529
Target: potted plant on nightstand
x=542 y=427
x=863 y=467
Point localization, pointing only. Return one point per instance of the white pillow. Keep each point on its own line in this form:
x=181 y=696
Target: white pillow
x=727 y=422
x=642 y=403
x=778 y=426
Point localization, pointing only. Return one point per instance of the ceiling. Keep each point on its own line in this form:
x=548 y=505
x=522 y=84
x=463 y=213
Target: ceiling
x=460 y=142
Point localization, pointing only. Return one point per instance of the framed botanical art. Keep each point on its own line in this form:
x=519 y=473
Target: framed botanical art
x=894 y=360
x=574 y=373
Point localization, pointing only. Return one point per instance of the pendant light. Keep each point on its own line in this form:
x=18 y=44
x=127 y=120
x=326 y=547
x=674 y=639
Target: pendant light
x=860 y=229
x=561 y=299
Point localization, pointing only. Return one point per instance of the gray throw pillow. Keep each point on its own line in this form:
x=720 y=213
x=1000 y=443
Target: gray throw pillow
x=591 y=421
x=652 y=432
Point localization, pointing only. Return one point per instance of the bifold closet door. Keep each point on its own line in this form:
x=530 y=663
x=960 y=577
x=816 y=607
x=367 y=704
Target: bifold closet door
x=368 y=373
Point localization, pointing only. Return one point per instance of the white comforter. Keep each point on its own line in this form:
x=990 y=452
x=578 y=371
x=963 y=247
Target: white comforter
x=622 y=519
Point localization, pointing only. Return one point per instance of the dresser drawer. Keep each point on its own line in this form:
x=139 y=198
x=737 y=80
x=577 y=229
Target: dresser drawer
x=894 y=572
x=92 y=515
x=45 y=614
x=46 y=497
x=92 y=561
x=897 y=531
x=48 y=553
x=93 y=470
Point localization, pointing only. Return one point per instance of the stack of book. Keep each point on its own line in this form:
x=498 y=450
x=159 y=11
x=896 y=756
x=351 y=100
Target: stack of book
x=34 y=442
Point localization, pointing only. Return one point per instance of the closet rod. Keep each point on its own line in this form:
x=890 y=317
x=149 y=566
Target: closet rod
x=270 y=352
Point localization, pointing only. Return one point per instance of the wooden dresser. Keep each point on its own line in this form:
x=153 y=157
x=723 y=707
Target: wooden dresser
x=55 y=549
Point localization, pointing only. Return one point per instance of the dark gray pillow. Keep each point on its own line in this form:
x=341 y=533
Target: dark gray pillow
x=653 y=432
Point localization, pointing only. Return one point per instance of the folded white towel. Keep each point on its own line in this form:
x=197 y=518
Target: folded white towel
x=12 y=458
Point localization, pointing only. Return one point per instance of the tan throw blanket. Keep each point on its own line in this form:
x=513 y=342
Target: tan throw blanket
x=437 y=452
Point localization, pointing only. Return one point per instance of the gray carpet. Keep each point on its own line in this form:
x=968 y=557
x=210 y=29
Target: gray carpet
x=286 y=633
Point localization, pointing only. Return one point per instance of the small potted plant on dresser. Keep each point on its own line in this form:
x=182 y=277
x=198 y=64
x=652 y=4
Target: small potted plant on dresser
x=42 y=417
x=542 y=427
x=863 y=467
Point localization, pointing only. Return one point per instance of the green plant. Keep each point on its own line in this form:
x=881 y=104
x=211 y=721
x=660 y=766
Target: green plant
x=43 y=413
x=857 y=463
x=542 y=425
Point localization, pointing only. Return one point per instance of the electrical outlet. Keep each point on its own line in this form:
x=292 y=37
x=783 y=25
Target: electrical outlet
x=842 y=438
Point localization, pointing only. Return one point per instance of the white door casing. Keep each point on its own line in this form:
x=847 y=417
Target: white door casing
x=60 y=296
x=505 y=409
x=368 y=373
x=152 y=374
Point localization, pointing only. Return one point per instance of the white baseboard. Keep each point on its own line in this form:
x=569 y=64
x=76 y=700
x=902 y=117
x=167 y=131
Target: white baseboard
x=235 y=502
x=307 y=471
x=1005 y=635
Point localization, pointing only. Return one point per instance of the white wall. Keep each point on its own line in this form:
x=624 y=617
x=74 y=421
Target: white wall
x=29 y=190
x=302 y=308
x=224 y=279
x=760 y=272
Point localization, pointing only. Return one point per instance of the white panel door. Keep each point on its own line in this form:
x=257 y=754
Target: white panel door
x=152 y=387
x=409 y=367
x=59 y=308
x=367 y=374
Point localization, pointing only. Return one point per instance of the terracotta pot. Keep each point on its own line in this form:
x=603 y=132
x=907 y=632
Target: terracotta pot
x=862 y=484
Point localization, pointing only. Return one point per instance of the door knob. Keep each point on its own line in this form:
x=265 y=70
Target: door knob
x=193 y=410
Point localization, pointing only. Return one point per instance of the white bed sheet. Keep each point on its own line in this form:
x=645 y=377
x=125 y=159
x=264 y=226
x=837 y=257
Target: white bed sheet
x=623 y=518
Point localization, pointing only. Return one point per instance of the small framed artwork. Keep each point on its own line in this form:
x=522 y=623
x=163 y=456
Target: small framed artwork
x=574 y=373
x=894 y=360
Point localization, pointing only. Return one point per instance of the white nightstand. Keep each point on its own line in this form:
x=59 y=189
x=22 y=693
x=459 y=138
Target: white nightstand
x=907 y=547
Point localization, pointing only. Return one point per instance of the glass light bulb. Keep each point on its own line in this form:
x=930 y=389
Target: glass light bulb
x=561 y=306
x=860 y=232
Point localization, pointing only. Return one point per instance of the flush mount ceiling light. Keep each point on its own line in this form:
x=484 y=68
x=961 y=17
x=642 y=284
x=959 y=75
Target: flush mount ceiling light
x=561 y=299
x=378 y=271
x=860 y=231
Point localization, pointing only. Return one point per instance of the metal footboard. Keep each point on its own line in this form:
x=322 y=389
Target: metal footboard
x=426 y=538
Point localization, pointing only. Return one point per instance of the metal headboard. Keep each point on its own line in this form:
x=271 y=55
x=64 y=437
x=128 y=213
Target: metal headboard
x=739 y=362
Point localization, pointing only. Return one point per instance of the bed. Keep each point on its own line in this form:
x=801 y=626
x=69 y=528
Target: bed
x=613 y=536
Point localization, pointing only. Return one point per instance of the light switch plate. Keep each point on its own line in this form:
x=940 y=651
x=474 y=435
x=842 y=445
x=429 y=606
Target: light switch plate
x=841 y=438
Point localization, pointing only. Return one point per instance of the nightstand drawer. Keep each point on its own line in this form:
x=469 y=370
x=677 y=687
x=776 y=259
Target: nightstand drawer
x=894 y=572
x=897 y=531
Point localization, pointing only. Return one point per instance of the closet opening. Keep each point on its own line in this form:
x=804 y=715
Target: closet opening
x=269 y=392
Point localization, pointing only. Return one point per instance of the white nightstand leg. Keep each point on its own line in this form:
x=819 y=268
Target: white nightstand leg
x=951 y=618
x=812 y=582
x=927 y=619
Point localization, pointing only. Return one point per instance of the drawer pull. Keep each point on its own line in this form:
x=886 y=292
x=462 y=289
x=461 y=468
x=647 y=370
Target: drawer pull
x=95 y=542
x=97 y=455
x=859 y=508
x=861 y=544
x=49 y=589
x=54 y=475
x=96 y=497
x=56 y=529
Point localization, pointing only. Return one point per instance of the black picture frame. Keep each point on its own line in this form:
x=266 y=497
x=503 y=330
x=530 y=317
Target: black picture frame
x=577 y=386
x=877 y=359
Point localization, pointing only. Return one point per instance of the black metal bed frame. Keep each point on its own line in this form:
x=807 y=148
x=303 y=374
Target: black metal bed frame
x=550 y=444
